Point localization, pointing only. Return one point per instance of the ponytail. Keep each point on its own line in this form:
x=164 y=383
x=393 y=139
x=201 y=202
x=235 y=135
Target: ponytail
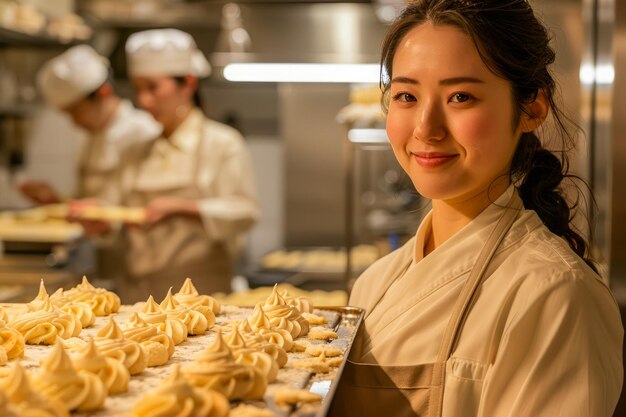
x=539 y=174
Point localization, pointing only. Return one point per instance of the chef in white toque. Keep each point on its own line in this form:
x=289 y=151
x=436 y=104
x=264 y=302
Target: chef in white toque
x=195 y=181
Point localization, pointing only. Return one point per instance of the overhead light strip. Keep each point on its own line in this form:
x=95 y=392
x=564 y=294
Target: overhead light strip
x=303 y=73
x=368 y=136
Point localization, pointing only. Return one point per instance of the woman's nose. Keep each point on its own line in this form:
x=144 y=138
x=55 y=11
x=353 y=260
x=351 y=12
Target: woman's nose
x=429 y=123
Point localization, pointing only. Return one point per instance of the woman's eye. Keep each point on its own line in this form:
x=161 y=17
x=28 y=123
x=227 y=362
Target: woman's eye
x=460 y=98
x=403 y=97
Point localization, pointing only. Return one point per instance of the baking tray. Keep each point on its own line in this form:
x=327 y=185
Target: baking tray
x=347 y=321
x=334 y=269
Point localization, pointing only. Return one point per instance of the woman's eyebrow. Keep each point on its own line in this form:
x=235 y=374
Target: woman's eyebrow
x=461 y=80
x=447 y=81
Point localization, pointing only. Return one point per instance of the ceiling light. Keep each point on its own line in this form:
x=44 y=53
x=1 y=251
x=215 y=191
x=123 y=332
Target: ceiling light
x=303 y=73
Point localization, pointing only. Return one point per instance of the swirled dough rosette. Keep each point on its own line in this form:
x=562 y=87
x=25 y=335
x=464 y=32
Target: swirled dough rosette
x=259 y=360
x=158 y=347
x=189 y=296
x=16 y=384
x=7 y=409
x=236 y=341
x=57 y=378
x=282 y=315
x=12 y=341
x=3 y=315
x=111 y=343
x=101 y=301
x=42 y=327
x=260 y=323
x=177 y=398
x=215 y=368
x=81 y=311
x=111 y=372
x=303 y=304
x=152 y=313
x=196 y=322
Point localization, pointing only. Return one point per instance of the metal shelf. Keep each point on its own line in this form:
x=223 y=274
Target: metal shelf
x=10 y=37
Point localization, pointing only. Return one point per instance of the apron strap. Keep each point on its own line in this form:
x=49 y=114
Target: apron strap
x=466 y=298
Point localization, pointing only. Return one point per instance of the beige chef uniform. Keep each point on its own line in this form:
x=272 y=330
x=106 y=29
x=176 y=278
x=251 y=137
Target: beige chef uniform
x=537 y=333
x=202 y=160
x=100 y=156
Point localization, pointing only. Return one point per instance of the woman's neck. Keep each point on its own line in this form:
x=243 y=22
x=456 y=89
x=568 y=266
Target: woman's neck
x=179 y=117
x=451 y=216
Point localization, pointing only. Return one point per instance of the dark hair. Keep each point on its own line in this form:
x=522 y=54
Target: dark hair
x=197 y=100
x=514 y=45
x=94 y=94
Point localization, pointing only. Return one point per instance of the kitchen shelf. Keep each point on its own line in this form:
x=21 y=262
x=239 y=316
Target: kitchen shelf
x=10 y=37
x=16 y=110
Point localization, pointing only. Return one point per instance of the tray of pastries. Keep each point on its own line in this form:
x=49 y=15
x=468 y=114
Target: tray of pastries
x=319 y=259
x=80 y=352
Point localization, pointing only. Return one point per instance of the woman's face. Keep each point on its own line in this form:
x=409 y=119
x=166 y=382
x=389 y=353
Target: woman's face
x=161 y=96
x=450 y=120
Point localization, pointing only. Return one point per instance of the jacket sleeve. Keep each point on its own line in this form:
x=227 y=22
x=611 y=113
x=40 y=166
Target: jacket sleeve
x=232 y=207
x=560 y=354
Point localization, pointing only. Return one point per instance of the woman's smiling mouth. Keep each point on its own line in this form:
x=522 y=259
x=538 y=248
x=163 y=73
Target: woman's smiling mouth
x=432 y=159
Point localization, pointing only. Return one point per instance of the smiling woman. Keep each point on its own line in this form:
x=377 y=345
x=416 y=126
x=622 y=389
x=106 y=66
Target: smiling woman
x=494 y=308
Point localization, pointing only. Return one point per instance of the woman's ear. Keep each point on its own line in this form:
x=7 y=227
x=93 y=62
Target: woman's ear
x=535 y=113
x=191 y=82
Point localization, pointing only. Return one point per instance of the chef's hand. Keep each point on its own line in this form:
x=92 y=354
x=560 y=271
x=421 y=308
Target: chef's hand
x=39 y=192
x=163 y=207
x=93 y=228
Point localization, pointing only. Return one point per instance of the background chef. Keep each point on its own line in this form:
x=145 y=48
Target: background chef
x=79 y=83
x=195 y=181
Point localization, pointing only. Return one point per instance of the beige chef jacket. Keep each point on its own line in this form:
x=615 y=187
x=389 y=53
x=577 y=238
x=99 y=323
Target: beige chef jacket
x=543 y=338
x=100 y=156
x=202 y=160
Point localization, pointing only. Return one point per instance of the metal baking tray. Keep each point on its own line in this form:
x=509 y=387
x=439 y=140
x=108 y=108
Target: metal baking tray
x=346 y=327
x=350 y=321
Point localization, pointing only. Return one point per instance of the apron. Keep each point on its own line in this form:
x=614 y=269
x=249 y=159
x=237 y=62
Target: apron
x=165 y=253
x=416 y=390
x=93 y=183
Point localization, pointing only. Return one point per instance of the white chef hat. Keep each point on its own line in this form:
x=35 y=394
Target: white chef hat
x=169 y=52
x=73 y=75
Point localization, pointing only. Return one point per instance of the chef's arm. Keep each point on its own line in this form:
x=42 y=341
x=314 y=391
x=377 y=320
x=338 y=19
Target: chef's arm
x=561 y=355
x=234 y=208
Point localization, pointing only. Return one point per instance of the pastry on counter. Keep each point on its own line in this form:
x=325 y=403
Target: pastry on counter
x=152 y=313
x=215 y=368
x=82 y=311
x=157 y=346
x=101 y=301
x=189 y=296
x=197 y=322
x=42 y=327
x=176 y=397
x=11 y=342
x=17 y=386
x=78 y=390
x=284 y=316
x=111 y=372
x=110 y=340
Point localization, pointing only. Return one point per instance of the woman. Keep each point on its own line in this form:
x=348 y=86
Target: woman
x=195 y=182
x=493 y=308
